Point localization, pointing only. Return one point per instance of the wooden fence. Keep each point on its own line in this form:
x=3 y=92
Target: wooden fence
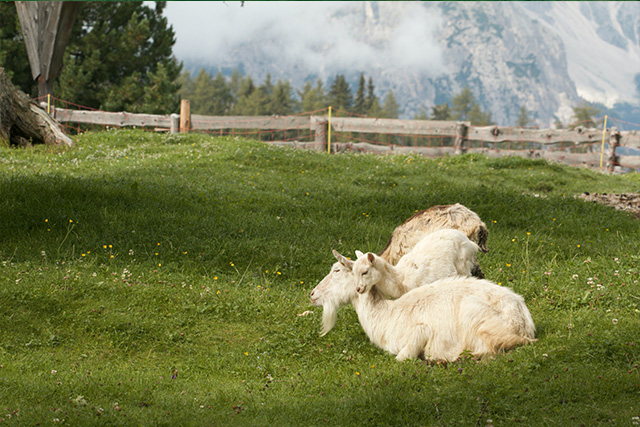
x=580 y=146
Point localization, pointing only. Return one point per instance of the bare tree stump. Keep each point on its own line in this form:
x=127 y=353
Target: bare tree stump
x=22 y=122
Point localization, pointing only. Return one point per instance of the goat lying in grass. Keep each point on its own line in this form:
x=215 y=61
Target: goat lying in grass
x=441 y=320
x=457 y=216
x=441 y=254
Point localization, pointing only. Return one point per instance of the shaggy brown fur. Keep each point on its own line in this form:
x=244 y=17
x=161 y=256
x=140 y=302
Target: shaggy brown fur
x=457 y=216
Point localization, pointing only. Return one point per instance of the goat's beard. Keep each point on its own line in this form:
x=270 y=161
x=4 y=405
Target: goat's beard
x=329 y=316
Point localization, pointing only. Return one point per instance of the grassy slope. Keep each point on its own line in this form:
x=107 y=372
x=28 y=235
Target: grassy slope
x=133 y=257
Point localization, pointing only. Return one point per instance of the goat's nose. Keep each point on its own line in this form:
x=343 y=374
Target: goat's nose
x=313 y=292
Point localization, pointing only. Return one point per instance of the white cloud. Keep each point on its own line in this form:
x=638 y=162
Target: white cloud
x=315 y=35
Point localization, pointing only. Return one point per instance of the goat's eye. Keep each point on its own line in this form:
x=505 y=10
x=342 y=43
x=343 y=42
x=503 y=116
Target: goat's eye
x=364 y=273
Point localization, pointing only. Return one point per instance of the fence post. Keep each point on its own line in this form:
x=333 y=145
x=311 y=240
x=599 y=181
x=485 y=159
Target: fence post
x=175 y=123
x=329 y=132
x=318 y=127
x=185 y=116
x=461 y=133
x=614 y=142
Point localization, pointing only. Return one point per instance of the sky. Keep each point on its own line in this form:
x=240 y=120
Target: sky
x=308 y=33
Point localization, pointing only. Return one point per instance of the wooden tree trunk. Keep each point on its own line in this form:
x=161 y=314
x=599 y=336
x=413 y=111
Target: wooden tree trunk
x=22 y=122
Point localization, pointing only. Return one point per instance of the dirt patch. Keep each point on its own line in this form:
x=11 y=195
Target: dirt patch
x=629 y=202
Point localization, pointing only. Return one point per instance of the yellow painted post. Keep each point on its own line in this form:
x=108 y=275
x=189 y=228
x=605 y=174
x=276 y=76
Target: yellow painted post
x=604 y=130
x=329 y=133
x=48 y=103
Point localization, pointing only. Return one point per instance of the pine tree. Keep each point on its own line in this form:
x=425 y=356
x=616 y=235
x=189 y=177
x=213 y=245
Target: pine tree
x=583 y=115
x=202 y=98
x=523 y=118
x=113 y=54
x=186 y=85
x=478 y=117
x=254 y=101
x=464 y=107
x=462 y=104
x=440 y=112
x=246 y=89
x=390 y=107
x=222 y=97
x=266 y=87
x=360 y=100
x=312 y=98
x=375 y=110
x=339 y=96
x=281 y=101
x=159 y=94
x=234 y=82
x=371 y=99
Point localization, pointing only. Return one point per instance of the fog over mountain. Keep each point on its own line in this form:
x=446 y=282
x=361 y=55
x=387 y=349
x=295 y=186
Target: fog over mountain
x=545 y=56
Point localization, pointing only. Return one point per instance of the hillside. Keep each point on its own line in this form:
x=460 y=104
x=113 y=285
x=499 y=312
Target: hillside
x=545 y=56
x=151 y=279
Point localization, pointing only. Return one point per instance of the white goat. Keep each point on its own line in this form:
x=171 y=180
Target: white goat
x=457 y=216
x=441 y=254
x=441 y=320
x=444 y=253
x=336 y=290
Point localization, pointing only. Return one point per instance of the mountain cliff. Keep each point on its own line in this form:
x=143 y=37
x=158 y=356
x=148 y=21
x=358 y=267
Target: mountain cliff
x=545 y=56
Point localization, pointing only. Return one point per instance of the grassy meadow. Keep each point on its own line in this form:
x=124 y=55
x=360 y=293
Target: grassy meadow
x=151 y=279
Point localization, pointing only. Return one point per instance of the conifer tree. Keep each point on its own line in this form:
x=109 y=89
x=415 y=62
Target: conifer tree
x=360 y=100
x=281 y=100
x=523 y=118
x=440 y=112
x=159 y=94
x=222 y=97
x=234 y=82
x=257 y=103
x=339 y=96
x=375 y=110
x=371 y=99
x=113 y=54
x=462 y=104
x=583 y=115
x=246 y=88
x=478 y=117
x=390 y=108
x=202 y=97
x=312 y=98
x=266 y=87
x=465 y=107
x=186 y=85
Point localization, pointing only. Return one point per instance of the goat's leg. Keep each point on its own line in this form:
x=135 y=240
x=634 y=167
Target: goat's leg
x=414 y=345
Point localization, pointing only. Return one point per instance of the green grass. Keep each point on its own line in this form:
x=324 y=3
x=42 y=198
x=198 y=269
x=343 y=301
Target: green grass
x=133 y=258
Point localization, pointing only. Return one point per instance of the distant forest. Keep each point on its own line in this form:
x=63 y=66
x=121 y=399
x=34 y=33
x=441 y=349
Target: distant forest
x=240 y=95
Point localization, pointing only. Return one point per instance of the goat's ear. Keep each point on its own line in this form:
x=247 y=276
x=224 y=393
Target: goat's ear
x=359 y=254
x=343 y=260
x=371 y=257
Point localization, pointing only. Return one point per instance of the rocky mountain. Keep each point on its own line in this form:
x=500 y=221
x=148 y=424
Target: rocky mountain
x=545 y=56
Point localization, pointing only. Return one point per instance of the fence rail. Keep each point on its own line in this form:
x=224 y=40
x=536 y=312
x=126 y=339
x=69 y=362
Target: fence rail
x=578 y=146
